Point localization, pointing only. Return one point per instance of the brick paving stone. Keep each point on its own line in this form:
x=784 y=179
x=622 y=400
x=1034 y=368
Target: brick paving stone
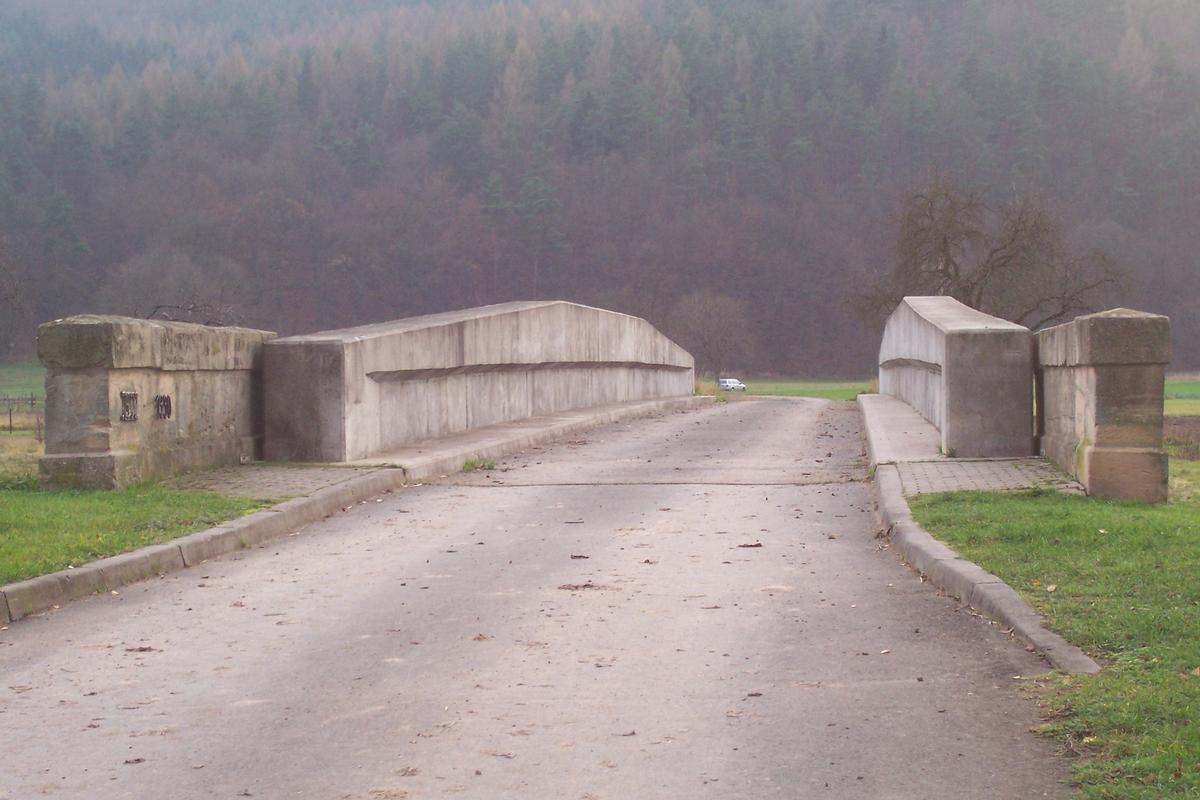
x=267 y=481
x=988 y=475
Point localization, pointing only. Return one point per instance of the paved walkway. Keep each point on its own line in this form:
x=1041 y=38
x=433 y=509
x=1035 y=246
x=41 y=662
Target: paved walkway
x=899 y=435
x=267 y=481
x=927 y=477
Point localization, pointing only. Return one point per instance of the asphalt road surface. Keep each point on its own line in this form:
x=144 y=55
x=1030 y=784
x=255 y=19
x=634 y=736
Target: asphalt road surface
x=691 y=606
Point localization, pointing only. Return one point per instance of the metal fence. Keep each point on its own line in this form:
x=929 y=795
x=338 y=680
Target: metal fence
x=15 y=413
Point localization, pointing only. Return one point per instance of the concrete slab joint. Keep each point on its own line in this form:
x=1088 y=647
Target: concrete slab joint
x=1101 y=387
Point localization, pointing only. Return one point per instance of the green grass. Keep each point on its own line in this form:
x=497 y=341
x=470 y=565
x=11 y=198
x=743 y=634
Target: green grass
x=42 y=532
x=1182 y=398
x=473 y=464
x=1183 y=388
x=21 y=380
x=1185 y=481
x=1126 y=588
x=789 y=387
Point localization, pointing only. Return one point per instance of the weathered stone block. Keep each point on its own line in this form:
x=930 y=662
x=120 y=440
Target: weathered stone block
x=1102 y=378
x=130 y=400
x=1126 y=473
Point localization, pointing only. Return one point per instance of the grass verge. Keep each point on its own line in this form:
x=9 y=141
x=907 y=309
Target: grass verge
x=1120 y=581
x=42 y=532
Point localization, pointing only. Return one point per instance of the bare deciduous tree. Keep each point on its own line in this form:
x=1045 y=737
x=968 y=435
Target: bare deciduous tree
x=1011 y=262
x=714 y=328
x=168 y=284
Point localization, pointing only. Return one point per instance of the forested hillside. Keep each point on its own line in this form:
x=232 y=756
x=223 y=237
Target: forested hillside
x=305 y=164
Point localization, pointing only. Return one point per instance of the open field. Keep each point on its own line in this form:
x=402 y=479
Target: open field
x=19 y=382
x=801 y=387
x=1182 y=393
x=1119 y=580
x=22 y=380
x=1183 y=397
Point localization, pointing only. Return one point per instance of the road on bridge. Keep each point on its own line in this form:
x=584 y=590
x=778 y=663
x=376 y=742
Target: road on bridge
x=690 y=606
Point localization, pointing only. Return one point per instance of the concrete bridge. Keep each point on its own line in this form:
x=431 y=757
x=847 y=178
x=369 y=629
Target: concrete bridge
x=693 y=604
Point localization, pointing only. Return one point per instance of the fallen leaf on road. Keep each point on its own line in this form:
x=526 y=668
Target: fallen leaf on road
x=576 y=557
x=572 y=522
x=21 y=689
x=499 y=754
x=708 y=608
x=756 y=544
x=134 y=760
x=142 y=649
x=576 y=587
x=631 y=733
x=481 y=637
x=884 y=652
x=754 y=694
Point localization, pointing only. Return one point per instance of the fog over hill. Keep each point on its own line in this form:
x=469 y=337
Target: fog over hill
x=305 y=164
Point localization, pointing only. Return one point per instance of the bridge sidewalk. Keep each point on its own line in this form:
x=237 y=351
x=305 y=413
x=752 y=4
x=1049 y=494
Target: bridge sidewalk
x=896 y=434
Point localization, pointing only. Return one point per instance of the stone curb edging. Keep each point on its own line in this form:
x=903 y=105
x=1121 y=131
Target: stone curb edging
x=19 y=600
x=966 y=580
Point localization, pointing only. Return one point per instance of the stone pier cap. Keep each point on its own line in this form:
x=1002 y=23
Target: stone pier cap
x=355 y=393
x=89 y=341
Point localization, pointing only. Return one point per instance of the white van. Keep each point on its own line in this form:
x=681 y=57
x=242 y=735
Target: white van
x=731 y=385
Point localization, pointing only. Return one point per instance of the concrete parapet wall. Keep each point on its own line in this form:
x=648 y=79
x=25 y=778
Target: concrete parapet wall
x=1102 y=383
x=968 y=373
x=356 y=393
x=130 y=400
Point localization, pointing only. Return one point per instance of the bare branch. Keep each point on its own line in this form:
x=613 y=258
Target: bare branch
x=1009 y=262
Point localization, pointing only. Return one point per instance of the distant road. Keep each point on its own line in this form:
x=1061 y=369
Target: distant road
x=693 y=606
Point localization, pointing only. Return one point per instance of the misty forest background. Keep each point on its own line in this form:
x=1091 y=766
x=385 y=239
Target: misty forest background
x=307 y=164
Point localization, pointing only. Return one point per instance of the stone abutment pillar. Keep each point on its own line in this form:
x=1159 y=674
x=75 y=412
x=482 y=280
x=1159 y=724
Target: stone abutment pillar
x=1101 y=392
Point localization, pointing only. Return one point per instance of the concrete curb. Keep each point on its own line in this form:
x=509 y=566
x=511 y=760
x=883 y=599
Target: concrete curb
x=19 y=600
x=966 y=580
